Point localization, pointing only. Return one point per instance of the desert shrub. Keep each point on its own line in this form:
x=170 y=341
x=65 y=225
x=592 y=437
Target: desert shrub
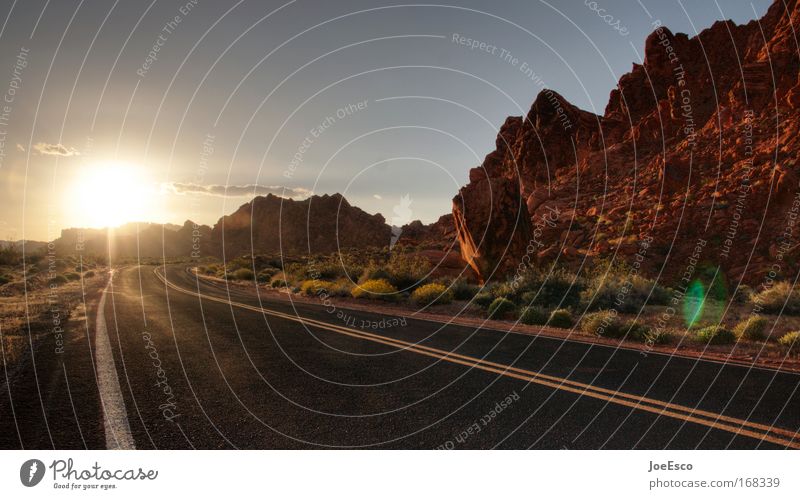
x=658 y=337
x=701 y=324
x=35 y=257
x=533 y=316
x=772 y=300
x=790 y=342
x=242 y=275
x=463 y=290
x=314 y=286
x=402 y=270
x=715 y=335
x=407 y=270
x=239 y=262
x=374 y=272
x=88 y=274
x=504 y=290
x=295 y=272
x=72 y=276
x=602 y=323
x=342 y=287
x=604 y=292
x=483 y=299
x=753 y=328
x=9 y=255
x=501 y=308
x=558 y=288
x=352 y=265
x=527 y=297
x=265 y=275
x=659 y=295
x=4 y=279
x=326 y=270
x=562 y=289
x=561 y=318
x=432 y=293
x=59 y=279
x=637 y=331
x=375 y=289
x=211 y=269
x=266 y=261
x=279 y=283
x=744 y=294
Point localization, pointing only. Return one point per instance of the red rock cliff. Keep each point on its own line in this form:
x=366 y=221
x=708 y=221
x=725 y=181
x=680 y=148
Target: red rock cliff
x=700 y=142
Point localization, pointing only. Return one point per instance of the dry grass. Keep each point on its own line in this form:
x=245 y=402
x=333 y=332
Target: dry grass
x=32 y=314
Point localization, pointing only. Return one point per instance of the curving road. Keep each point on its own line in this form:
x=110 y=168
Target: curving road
x=173 y=362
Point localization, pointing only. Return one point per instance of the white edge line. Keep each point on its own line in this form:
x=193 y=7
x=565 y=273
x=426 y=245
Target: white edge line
x=115 y=417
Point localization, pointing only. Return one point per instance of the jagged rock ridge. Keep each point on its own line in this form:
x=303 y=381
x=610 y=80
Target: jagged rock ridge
x=699 y=142
x=319 y=224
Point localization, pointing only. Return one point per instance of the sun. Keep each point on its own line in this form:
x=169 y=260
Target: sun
x=110 y=194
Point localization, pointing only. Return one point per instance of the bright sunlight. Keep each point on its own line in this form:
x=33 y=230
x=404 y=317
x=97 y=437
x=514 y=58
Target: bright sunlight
x=109 y=194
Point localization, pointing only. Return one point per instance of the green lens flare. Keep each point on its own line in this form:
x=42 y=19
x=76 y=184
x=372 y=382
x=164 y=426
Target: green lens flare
x=705 y=297
x=694 y=302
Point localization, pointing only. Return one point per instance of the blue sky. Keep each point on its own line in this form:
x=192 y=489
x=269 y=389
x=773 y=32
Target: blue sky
x=397 y=106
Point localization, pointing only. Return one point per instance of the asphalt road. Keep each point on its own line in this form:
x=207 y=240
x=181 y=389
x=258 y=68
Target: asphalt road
x=191 y=364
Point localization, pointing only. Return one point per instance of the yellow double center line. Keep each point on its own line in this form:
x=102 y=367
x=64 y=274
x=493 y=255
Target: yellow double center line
x=737 y=426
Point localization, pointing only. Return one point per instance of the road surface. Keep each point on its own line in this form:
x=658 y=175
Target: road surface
x=168 y=361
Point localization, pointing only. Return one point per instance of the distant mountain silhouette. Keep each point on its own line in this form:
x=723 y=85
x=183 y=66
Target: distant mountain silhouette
x=267 y=224
x=138 y=240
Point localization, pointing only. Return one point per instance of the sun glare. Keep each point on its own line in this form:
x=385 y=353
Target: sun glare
x=110 y=194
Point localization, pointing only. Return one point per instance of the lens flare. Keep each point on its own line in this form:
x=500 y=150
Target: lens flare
x=694 y=303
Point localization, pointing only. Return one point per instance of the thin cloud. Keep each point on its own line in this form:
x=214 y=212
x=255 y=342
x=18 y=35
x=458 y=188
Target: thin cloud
x=237 y=190
x=55 y=149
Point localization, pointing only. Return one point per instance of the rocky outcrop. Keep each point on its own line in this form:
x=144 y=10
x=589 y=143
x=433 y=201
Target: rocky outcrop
x=328 y=224
x=440 y=235
x=483 y=210
x=320 y=224
x=698 y=143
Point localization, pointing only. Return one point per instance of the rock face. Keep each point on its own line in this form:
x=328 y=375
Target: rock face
x=482 y=210
x=319 y=224
x=328 y=224
x=440 y=235
x=698 y=145
x=439 y=244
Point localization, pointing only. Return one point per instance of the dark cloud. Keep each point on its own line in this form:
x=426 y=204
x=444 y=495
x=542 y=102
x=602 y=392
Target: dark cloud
x=238 y=190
